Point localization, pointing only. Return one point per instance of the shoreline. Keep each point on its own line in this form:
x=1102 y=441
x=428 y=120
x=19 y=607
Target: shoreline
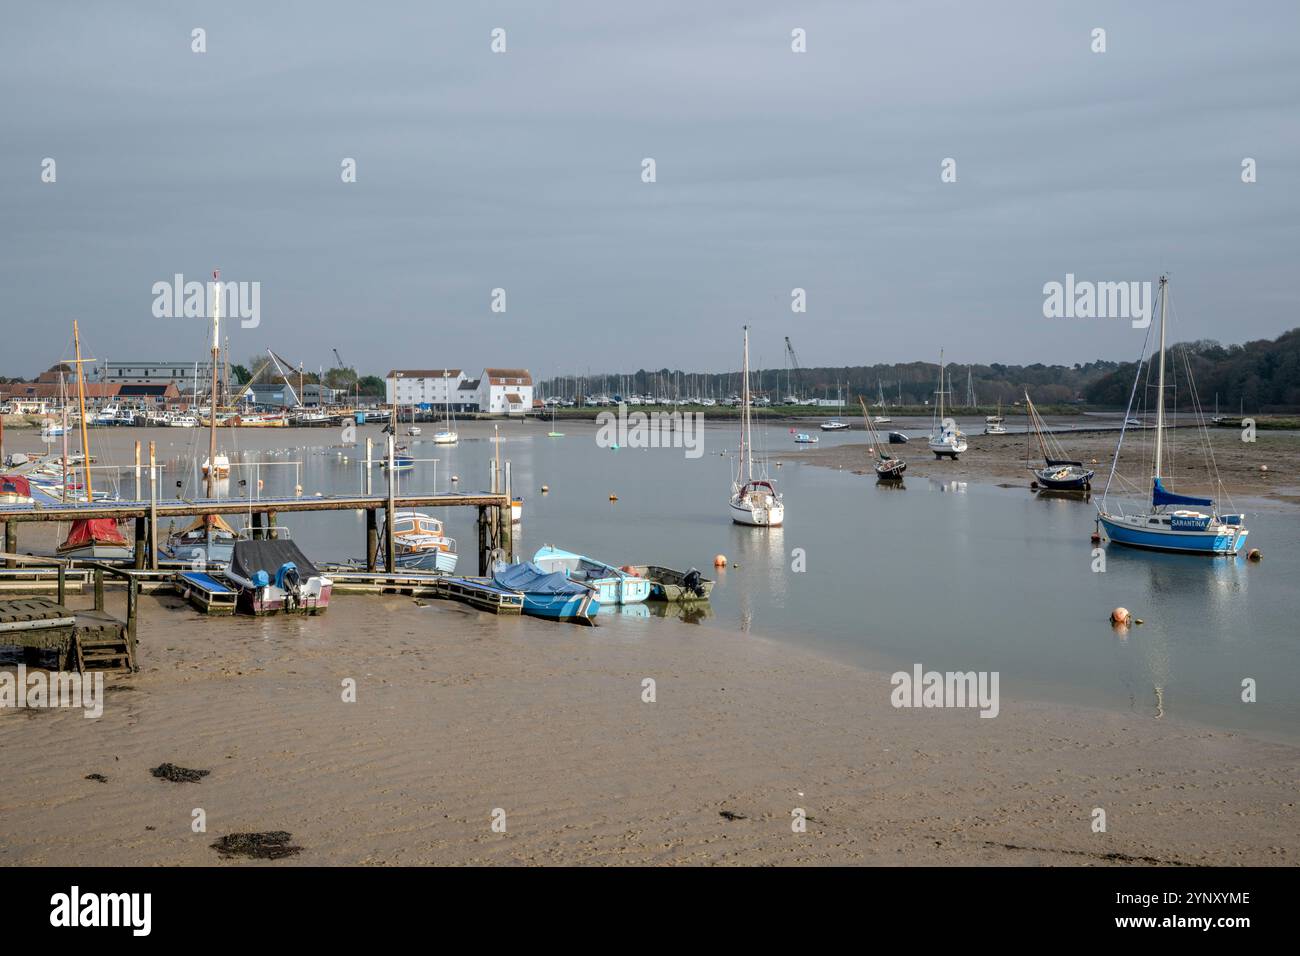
x=458 y=714
x=1000 y=460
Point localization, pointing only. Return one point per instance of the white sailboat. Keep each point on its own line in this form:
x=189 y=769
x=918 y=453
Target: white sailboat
x=946 y=439
x=1171 y=522
x=447 y=436
x=754 y=500
x=995 y=424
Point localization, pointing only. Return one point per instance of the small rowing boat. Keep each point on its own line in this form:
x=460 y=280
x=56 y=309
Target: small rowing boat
x=550 y=595
x=669 y=585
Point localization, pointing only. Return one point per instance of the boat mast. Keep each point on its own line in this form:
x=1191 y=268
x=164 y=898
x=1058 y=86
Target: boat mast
x=81 y=407
x=63 y=400
x=1160 y=381
x=212 y=403
x=746 y=449
x=941 y=388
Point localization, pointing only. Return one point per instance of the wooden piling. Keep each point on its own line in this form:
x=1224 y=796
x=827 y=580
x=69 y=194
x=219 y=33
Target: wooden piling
x=153 y=510
x=141 y=543
x=482 y=541
x=11 y=542
x=99 y=589
x=257 y=525
x=372 y=538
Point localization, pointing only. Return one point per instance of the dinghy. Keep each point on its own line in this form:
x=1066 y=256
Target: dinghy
x=613 y=585
x=669 y=585
x=553 y=596
x=275 y=576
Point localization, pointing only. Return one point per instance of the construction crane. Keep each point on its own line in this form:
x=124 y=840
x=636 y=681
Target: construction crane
x=339 y=358
x=793 y=397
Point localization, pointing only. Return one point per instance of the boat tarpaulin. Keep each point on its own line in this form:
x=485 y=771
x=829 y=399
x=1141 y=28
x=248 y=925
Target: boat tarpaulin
x=527 y=576
x=269 y=556
x=15 y=485
x=1161 y=497
x=1058 y=462
x=88 y=531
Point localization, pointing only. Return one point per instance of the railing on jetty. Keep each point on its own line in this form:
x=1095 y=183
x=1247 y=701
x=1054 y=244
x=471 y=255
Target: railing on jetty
x=494 y=534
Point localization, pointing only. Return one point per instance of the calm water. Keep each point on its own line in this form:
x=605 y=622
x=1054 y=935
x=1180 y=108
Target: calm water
x=955 y=576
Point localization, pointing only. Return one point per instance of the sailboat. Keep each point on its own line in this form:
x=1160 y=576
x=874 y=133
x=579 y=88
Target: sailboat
x=1157 y=527
x=553 y=433
x=754 y=501
x=946 y=439
x=96 y=538
x=888 y=468
x=1058 y=472
x=447 y=436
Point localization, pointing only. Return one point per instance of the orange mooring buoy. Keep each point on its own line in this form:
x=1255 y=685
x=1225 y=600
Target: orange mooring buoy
x=1119 y=616
x=613 y=497
x=720 y=561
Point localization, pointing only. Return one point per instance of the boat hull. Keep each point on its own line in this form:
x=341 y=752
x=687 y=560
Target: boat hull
x=431 y=560
x=272 y=600
x=757 y=517
x=1214 y=540
x=574 y=608
x=1076 y=482
x=893 y=471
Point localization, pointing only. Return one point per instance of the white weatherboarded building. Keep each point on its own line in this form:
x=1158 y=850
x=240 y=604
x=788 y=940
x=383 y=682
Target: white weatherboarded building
x=498 y=391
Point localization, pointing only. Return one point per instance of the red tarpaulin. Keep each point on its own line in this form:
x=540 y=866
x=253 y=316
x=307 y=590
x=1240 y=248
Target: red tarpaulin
x=15 y=485
x=87 y=531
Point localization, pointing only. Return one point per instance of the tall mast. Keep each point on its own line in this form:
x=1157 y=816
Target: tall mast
x=747 y=449
x=212 y=398
x=940 y=388
x=1160 y=381
x=63 y=400
x=81 y=407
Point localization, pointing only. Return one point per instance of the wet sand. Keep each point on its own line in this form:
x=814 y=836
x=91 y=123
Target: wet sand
x=459 y=713
x=1001 y=459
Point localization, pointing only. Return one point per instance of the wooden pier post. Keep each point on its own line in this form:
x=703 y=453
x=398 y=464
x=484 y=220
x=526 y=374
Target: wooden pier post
x=482 y=541
x=11 y=542
x=140 y=542
x=372 y=538
x=153 y=510
x=270 y=523
x=99 y=589
x=506 y=536
x=137 y=473
x=390 y=513
x=257 y=525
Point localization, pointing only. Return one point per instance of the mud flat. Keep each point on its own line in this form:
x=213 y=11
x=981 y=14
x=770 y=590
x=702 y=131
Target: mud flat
x=459 y=714
x=1001 y=459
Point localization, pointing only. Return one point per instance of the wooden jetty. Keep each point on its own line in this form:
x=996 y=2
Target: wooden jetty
x=494 y=534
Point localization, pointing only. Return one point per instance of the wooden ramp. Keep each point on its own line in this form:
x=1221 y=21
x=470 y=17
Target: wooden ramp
x=476 y=592
x=101 y=642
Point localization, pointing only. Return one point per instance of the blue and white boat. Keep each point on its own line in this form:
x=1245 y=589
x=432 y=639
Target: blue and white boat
x=614 y=586
x=549 y=595
x=1172 y=522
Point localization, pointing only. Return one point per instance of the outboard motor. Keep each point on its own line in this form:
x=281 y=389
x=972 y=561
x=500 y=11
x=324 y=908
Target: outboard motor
x=288 y=580
x=692 y=581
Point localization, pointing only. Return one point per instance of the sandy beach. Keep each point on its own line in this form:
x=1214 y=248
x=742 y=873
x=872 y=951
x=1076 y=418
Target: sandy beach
x=458 y=714
x=1001 y=459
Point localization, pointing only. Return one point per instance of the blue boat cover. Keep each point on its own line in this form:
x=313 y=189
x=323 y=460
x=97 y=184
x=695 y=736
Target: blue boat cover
x=1161 y=497
x=527 y=576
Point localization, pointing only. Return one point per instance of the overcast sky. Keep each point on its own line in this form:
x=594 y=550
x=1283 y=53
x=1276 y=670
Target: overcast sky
x=523 y=171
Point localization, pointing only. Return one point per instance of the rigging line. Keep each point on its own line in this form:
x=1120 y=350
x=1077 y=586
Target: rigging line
x=1123 y=428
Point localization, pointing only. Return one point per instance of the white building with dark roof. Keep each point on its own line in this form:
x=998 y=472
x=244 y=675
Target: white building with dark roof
x=498 y=391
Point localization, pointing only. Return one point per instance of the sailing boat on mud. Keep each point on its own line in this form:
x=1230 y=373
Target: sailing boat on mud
x=888 y=468
x=91 y=538
x=946 y=439
x=1058 y=473
x=754 y=501
x=1172 y=522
